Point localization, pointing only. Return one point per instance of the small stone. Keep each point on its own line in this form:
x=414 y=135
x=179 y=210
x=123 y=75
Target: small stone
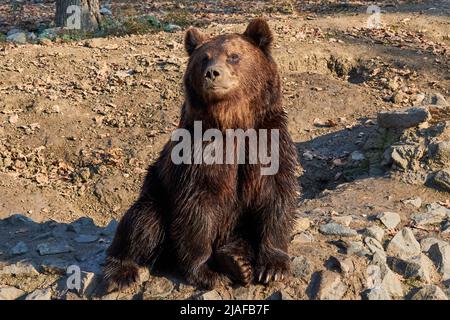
x=389 y=219
x=357 y=156
x=210 y=295
x=357 y=248
x=426 y=243
x=301 y=268
x=404 y=118
x=10 y=293
x=344 y=265
x=403 y=245
x=434 y=99
x=13 y=118
x=375 y=232
x=337 y=229
x=446 y=227
x=442 y=152
x=428 y=218
x=374 y=246
x=40 y=294
x=85 y=174
x=19 y=37
x=85 y=238
x=331 y=286
x=439 y=253
x=110 y=229
x=418 y=267
x=302 y=238
x=442 y=179
x=415 y=202
x=344 y=220
x=379 y=275
x=53 y=248
x=377 y=293
x=158 y=288
x=429 y=292
x=19 y=248
x=280 y=295
x=105 y=11
x=19 y=269
x=54 y=266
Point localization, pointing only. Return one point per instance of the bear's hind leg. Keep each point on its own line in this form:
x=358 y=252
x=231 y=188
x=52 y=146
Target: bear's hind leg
x=235 y=259
x=137 y=242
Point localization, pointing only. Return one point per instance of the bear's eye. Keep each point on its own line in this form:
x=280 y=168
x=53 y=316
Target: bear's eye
x=233 y=58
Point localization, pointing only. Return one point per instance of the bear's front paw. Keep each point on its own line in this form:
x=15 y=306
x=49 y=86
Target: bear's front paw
x=203 y=277
x=272 y=266
x=120 y=274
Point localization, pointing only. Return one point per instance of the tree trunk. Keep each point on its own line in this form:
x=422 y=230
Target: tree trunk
x=80 y=15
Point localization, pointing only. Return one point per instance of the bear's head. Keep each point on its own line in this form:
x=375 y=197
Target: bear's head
x=232 y=73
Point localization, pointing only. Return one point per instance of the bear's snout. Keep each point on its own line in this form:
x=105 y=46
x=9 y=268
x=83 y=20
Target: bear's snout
x=212 y=73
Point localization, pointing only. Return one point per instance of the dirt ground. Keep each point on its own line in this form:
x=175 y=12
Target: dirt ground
x=80 y=121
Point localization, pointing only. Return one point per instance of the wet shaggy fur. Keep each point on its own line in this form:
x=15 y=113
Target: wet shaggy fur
x=218 y=218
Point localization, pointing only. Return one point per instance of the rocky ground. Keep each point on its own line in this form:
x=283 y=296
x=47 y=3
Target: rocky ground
x=81 y=120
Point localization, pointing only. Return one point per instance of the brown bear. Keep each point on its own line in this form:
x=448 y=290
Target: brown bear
x=217 y=219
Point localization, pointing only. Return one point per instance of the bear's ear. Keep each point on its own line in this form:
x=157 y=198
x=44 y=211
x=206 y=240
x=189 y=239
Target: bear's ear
x=193 y=39
x=259 y=32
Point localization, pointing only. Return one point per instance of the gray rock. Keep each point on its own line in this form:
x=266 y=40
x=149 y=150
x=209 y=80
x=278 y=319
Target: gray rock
x=19 y=38
x=377 y=293
x=426 y=243
x=210 y=295
x=53 y=248
x=357 y=248
x=301 y=268
x=14 y=31
x=403 y=245
x=442 y=179
x=429 y=292
x=436 y=99
x=446 y=227
x=375 y=232
x=171 y=27
x=331 y=286
x=280 y=295
x=302 y=238
x=85 y=238
x=389 y=219
x=439 y=253
x=54 y=266
x=337 y=229
x=357 y=156
x=415 y=202
x=404 y=118
x=374 y=246
x=19 y=248
x=344 y=265
x=10 y=293
x=19 y=269
x=380 y=276
x=40 y=294
x=442 y=152
x=158 y=288
x=105 y=11
x=403 y=156
x=436 y=208
x=418 y=267
x=428 y=218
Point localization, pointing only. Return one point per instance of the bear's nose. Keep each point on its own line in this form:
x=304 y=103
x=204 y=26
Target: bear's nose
x=212 y=73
